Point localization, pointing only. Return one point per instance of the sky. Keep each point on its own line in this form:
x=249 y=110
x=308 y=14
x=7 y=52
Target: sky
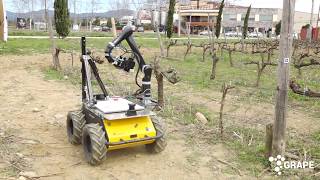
x=301 y=5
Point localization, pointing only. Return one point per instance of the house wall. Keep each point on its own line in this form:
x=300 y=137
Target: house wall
x=259 y=17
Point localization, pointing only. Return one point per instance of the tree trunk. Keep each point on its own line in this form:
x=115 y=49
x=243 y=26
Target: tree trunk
x=46 y=14
x=242 y=44
x=160 y=41
x=160 y=90
x=72 y=58
x=159 y=78
x=221 y=110
x=56 y=61
x=268 y=143
x=225 y=89
x=54 y=50
x=215 y=60
x=189 y=45
x=221 y=50
x=258 y=77
x=205 y=48
x=230 y=57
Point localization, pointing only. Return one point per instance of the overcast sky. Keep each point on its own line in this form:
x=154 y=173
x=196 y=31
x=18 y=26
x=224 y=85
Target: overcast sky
x=301 y=5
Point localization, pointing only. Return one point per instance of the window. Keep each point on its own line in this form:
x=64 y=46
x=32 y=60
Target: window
x=251 y=17
x=266 y=18
x=229 y=17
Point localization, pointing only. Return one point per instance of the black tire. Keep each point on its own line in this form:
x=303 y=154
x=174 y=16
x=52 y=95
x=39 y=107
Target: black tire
x=75 y=124
x=159 y=144
x=94 y=144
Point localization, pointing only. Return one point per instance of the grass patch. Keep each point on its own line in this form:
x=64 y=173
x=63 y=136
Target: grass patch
x=71 y=75
x=52 y=74
x=184 y=112
x=196 y=73
x=27 y=46
x=249 y=150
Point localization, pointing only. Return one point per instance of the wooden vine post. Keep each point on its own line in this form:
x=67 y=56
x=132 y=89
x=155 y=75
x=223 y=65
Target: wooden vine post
x=114 y=29
x=280 y=123
x=268 y=143
x=159 y=77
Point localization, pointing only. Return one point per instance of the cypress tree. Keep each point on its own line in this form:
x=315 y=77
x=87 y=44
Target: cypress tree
x=170 y=18
x=219 y=18
x=278 y=28
x=245 y=24
x=62 y=17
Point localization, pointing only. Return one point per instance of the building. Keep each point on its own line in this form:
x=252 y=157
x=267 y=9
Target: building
x=196 y=16
x=40 y=26
x=126 y=19
x=197 y=20
x=260 y=19
x=103 y=21
x=144 y=17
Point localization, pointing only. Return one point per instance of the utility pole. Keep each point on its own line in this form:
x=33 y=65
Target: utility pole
x=74 y=11
x=280 y=123
x=46 y=16
x=179 y=19
x=31 y=15
x=92 y=9
x=318 y=17
x=311 y=22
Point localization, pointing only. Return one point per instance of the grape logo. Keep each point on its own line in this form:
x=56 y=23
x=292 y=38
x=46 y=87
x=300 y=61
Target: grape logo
x=279 y=164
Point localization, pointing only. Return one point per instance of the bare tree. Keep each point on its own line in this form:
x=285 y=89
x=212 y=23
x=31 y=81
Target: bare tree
x=54 y=50
x=31 y=12
x=262 y=64
x=74 y=4
x=94 y=8
x=160 y=41
x=214 y=57
x=45 y=16
x=225 y=89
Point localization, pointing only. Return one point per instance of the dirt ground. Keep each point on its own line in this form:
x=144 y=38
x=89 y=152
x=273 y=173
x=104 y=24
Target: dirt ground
x=33 y=113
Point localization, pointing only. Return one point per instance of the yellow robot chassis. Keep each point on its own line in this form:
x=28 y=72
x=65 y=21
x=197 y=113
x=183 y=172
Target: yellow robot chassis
x=109 y=122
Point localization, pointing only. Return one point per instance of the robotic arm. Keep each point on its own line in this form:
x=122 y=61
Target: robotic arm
x=128 y=63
